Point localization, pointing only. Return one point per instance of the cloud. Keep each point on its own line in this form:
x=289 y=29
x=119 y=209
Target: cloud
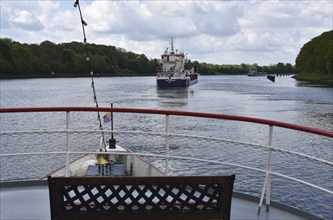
x=161 y=19
x=24 y=19
x=139 y=20
x=263 y=32
x=215 y=18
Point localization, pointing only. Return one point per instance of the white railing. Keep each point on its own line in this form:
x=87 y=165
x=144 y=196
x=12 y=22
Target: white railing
x=168 y=136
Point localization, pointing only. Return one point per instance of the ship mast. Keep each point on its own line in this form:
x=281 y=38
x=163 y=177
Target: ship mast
x=171 y=44
x=77 y=4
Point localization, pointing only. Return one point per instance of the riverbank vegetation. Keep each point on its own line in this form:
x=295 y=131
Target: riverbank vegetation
x=48 y=59
x=315 y=59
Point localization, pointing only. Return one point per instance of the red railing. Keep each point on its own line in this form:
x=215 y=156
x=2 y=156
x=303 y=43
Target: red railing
x=173 y=112
x=266 y=190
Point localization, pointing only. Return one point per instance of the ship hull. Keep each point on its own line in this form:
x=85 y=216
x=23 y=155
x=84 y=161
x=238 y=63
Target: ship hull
x=166 y=82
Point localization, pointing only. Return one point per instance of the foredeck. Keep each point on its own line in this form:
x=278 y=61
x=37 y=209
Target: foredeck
x=30 y=200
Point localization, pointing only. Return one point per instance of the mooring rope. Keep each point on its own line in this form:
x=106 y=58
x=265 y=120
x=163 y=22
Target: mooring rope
x=84 y=24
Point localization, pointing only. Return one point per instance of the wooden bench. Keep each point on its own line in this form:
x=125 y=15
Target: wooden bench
x=180 y=197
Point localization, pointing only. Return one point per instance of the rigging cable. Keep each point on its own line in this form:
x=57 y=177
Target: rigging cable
x=83 y=23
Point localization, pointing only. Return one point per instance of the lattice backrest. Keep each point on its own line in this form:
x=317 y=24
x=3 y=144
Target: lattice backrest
x=152 y=196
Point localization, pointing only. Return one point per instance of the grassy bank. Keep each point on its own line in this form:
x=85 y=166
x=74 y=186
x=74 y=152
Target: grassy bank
x=324 y=80
x=313 y=77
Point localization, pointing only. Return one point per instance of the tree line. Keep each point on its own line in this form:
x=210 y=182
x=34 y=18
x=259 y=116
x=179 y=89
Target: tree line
x=49 y=59
x=69 y=60
x=315 y=59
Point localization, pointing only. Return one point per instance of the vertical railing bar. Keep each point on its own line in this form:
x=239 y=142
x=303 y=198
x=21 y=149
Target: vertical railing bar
x=269 y=168
x=167 y=121
x=67 y=144
x=267 y=184
x=262 y=195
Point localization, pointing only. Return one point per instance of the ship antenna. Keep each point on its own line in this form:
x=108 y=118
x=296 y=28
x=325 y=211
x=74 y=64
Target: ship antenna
x=84 y=24
x=171 y=44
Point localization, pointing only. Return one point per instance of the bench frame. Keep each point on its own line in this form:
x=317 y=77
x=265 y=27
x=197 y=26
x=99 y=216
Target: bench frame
x=166 y=197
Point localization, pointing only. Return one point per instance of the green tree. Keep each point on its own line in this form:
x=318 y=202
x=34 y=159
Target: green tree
x=6 y=56
x=6 y=49
x=69 y=60
x=22 y=59
x=315 y=58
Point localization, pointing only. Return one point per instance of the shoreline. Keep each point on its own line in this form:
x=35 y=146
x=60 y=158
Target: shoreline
x=310 y=80
x=314 y=80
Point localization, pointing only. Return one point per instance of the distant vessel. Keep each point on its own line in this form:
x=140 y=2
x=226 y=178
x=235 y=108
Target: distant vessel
x=172 y=70
x=256 y=73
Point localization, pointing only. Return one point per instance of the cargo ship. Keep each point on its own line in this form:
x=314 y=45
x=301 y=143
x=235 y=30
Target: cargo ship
x=173 y=71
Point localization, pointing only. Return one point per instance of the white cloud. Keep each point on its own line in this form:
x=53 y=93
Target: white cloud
x=263 y=32
x=24 y=19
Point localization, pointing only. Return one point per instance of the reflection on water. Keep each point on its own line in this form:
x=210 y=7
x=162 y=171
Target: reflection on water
x=325 y=84
x=174 y=97
x=174 y=93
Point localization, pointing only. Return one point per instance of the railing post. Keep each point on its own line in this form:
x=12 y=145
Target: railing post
x=269 y=168
x=267 y=184
x=67 y=144
x=167 y=120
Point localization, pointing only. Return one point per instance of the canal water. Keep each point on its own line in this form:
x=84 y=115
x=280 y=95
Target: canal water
x=284 y=100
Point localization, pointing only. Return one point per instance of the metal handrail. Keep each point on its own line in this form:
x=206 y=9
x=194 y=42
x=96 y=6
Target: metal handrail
x=172 y=112
x=267 y=184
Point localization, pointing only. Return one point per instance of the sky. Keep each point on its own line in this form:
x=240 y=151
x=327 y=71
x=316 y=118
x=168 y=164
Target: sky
x=264 y=32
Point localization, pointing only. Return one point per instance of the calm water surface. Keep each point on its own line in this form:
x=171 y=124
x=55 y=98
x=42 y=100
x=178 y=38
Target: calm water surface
x=285 y=100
